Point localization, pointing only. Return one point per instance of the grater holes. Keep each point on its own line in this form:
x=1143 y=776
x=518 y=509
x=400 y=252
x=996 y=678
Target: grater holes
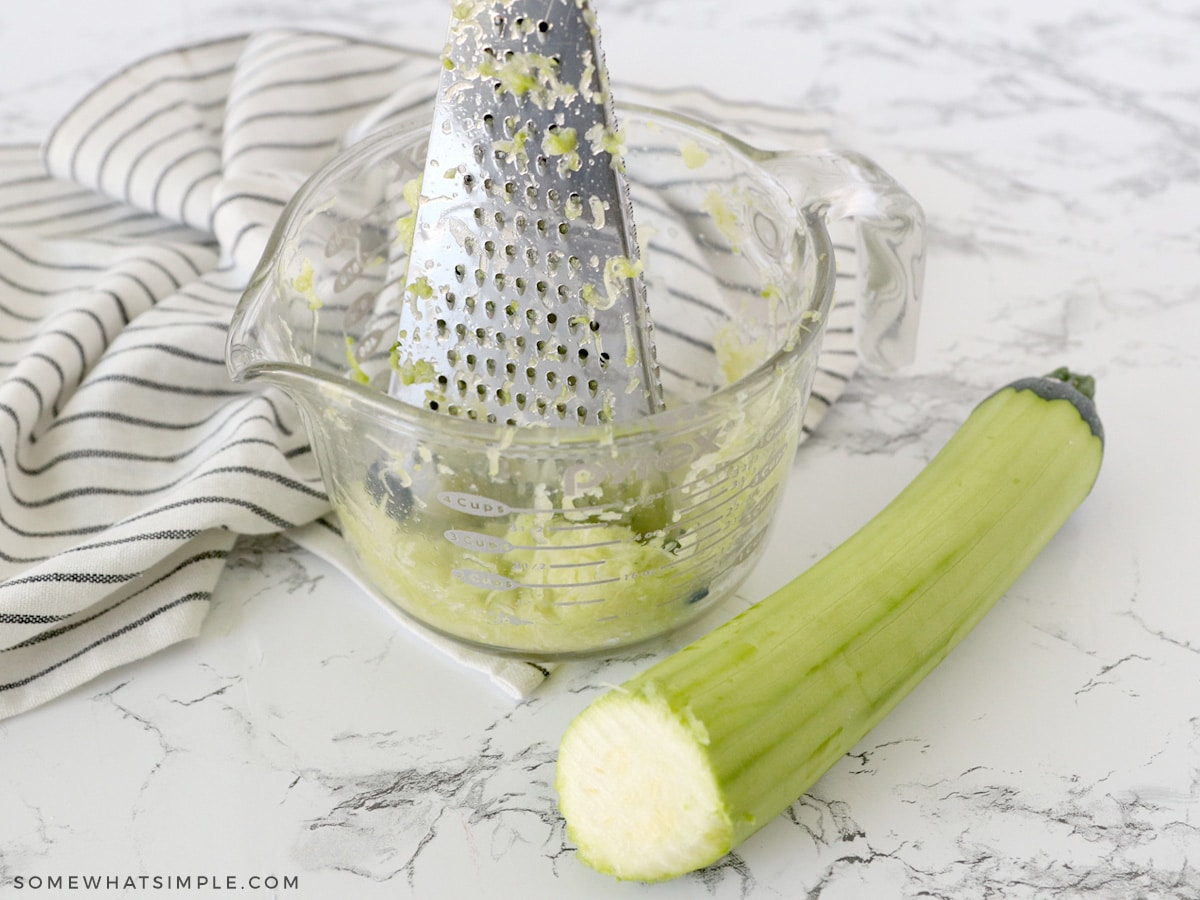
x=460 y=272
x=581 y=414
x=489 y=248
x=510 y=250
x=542 y=288
x=489 y=308
x=593 y=387
x=480 y=277
x=521 y=284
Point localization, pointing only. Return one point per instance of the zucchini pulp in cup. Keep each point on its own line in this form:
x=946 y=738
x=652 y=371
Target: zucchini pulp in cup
x=553 y=542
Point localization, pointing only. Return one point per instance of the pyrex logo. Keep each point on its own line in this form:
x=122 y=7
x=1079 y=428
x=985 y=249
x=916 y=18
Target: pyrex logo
x=629 y=466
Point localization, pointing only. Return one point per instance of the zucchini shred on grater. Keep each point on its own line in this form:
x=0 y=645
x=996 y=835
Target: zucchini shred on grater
x=523 y=301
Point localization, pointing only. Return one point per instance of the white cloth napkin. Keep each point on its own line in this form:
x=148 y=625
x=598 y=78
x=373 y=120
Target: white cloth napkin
x=131 y=463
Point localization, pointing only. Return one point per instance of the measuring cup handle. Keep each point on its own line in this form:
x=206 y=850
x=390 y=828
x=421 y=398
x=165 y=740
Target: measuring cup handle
x=890 y=230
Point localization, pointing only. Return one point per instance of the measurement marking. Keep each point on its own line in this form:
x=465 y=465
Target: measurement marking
x=742 y=483
x=578 y=565
x=570 y=584
x=551 y=548
x=495 y=581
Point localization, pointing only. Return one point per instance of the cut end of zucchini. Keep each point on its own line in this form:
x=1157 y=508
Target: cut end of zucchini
x=640 y=798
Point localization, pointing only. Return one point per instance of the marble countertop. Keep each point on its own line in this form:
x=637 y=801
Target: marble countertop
x=1055 y=148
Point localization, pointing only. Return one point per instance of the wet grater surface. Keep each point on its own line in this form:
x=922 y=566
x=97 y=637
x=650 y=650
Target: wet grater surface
x=524 y=302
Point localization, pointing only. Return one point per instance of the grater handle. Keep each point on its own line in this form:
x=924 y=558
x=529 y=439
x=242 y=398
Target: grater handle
x=890 y=231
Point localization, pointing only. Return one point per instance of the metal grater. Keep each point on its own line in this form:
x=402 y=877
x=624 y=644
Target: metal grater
x=523 y=300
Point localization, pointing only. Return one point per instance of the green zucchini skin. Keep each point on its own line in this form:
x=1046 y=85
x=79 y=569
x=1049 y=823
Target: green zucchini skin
x=1062 y=384
x=778 y=694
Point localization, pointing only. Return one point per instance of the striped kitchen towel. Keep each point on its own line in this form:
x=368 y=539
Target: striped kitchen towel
x=131 y=462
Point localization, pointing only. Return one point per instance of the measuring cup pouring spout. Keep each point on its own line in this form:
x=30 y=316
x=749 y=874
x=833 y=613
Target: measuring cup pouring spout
x=555 y=542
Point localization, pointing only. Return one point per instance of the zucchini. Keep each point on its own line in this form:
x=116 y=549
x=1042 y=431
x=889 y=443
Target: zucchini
x=668 y=772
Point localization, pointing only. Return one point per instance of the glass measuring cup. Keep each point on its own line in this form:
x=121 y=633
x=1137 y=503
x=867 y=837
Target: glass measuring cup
x=557 y=541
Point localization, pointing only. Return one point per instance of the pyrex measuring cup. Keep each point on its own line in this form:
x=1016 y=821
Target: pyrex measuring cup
x=563 y=541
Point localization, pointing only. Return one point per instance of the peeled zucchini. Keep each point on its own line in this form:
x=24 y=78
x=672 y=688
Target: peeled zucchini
x=668 y=772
